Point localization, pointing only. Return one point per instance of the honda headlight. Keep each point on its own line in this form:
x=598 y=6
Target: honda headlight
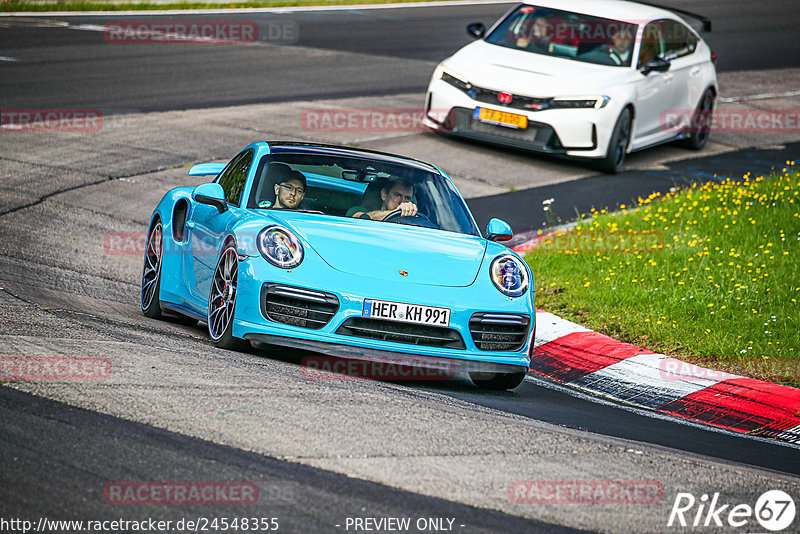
x=595 y=102
x=448 y=76
x=280 y=247
x=509 y=275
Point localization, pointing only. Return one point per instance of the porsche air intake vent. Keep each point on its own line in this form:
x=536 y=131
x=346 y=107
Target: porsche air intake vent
x=499 y=331
x=297 y=306
x=411 y=334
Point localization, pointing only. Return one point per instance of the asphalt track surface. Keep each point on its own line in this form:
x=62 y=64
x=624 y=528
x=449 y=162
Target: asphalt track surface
x=73 y=453
x=397 y=49
x=581 y=195
x=57 y=458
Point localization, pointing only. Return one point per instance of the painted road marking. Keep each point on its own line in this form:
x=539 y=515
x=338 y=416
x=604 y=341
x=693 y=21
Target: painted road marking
x=292 y=9
x=642 y=380
x=600 y=365
x=550 y=327
x=762 y=96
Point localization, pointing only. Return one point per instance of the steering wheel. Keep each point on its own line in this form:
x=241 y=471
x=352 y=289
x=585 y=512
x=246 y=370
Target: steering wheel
x=413 y=220
x=394 y=214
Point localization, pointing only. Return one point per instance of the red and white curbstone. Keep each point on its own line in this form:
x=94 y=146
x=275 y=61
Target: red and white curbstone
x=573 y=355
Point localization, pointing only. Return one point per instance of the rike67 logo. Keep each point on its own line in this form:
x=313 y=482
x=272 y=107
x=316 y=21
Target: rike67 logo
x=774 y=510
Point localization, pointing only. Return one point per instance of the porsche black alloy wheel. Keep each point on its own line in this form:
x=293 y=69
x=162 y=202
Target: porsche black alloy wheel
x=222 y=300
x=151 y=273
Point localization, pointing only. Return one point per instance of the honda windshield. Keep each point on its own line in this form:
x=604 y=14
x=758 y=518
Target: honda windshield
x=552 y=32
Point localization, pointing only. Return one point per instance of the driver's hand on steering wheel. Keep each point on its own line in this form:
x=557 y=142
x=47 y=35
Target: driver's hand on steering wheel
x=407 y=209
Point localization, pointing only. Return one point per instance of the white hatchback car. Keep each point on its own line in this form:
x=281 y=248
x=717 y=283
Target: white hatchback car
x=583 y=78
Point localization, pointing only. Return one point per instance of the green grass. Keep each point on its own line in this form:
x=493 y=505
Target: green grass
x=35 y=6
x=710 y=275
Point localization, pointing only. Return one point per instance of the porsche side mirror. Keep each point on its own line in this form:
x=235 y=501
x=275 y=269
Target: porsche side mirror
x=206 y=169
x=656 y=64
x=476 y=30
x=211 y=194
x=498 y=230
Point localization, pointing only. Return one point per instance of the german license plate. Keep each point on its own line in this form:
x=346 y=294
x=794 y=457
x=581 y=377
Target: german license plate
x=406 y=313
x=502 y=118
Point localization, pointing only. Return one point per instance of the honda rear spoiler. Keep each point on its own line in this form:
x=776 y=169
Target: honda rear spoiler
x=705 y=21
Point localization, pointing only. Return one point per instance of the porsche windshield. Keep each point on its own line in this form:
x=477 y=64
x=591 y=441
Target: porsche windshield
x=380 y=189
x=552 y=32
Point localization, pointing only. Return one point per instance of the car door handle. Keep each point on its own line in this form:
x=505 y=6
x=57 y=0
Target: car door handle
x=668 y=77
x=189 y=224
x=695 y=71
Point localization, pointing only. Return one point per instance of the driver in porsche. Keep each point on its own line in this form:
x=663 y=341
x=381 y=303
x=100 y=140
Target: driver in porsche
x=396 y=195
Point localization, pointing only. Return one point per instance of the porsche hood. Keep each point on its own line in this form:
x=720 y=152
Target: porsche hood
x=383 y=250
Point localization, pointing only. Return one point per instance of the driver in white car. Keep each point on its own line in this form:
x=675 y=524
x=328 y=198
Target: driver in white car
x=396 y=195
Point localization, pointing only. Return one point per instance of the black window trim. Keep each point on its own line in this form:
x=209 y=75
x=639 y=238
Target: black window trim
x=230 y=165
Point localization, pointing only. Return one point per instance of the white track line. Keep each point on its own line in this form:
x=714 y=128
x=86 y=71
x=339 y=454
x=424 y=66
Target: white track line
x=643 y=380
x=550 y=327
x=6 y=58
x=292 y=9
x=763 y=96
x=594 y=398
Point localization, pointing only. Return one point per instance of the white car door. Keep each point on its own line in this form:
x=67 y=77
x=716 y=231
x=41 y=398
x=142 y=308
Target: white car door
x=654 y=90
x=680 y=44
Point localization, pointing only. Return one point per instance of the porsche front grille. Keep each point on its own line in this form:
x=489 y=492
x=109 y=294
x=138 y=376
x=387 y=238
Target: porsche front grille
x=298 y=306
x=499 y=331
x=411 y=334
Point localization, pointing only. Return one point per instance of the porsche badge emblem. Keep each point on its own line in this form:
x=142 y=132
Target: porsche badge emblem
x=403 y=273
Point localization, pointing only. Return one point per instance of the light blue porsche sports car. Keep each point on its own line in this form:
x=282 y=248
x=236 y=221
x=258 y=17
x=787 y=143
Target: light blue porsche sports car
x=349 y=253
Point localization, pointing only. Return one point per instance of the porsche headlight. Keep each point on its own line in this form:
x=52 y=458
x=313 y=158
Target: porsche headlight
x=280 y=247
x=509 y=275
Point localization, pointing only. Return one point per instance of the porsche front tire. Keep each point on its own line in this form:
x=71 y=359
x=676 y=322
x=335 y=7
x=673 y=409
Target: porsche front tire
x=222 y=300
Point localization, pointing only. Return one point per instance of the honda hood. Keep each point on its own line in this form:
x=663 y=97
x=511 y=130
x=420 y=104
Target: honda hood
x=526 y=73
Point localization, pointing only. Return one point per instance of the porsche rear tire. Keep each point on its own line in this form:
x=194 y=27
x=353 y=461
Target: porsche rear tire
x=222 y=300
x=618 y=145
x=151 y=272
x=498 y=381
